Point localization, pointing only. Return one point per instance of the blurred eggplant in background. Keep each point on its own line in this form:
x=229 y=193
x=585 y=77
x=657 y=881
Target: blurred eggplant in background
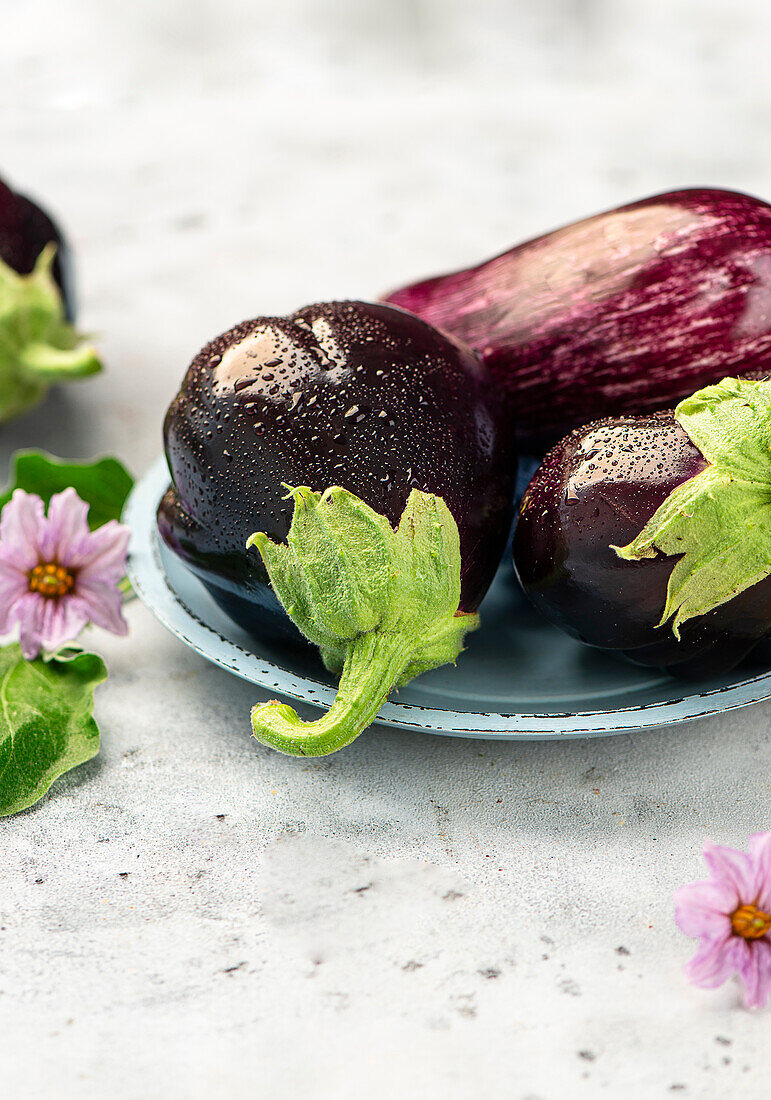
x=25 y=230
x=38 y=344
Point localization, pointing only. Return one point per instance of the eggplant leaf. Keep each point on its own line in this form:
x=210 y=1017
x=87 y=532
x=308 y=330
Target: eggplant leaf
x=717 y=523
x=46 y=722
x=103 y=484
x=381 y=605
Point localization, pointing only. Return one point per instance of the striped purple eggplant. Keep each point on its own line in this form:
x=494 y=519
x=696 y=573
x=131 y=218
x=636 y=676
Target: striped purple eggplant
x=628 y=311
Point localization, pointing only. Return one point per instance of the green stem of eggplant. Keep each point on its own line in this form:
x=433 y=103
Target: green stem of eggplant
x=373 y=664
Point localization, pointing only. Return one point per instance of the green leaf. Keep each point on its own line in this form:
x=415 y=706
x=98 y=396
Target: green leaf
x=103 y=484
x=46 y=723
x=38 y=345
x=381 y=605
x=717 y=523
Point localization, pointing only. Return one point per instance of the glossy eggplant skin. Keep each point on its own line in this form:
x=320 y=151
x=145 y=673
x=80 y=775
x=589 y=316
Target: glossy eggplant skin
x=25 y=229
x=598 y=488
x=625 y=312
x=343 y=393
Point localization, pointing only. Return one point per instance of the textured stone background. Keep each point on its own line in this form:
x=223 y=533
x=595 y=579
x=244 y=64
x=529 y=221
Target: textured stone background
x=191 y=915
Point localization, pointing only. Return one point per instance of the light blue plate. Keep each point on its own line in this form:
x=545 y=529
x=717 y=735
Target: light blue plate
x=519 y=678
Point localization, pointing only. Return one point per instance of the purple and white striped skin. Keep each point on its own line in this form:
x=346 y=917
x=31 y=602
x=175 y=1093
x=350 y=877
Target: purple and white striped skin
x=625 y=312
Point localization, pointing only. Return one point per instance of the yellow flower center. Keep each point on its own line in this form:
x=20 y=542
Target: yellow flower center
x=51 y=580
x=750 y=922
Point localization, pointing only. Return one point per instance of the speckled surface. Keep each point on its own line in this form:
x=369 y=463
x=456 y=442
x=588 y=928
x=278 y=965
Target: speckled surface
x=190 y=915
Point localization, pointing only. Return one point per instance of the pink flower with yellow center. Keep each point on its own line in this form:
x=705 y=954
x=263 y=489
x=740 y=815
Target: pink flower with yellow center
x=55 y=574
x=730 y=913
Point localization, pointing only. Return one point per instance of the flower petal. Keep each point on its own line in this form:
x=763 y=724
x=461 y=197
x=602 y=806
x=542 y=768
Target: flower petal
x=28 y=612
x=702 y=908
x=62 y=621
x=66 y=526
x=9 y=567
x=731 y=868
x=21 y=527
x=103 y=603
x=13 y=585
x=10 y=558
x=711 y=964
x=745 y=962
x=757 y=974
x=102 y=555
x=760 y=854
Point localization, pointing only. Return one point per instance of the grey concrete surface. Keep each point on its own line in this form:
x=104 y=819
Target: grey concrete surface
x=191 y=916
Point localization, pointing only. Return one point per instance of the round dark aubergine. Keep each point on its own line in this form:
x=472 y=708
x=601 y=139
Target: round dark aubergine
x=597 y=489
x=363 y=396
x=25 y=229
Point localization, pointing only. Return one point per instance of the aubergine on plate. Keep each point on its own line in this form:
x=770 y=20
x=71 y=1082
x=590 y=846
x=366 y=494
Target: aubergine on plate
x=651 y=535
x=626 y=312
x=369 y=463
x=38 y=344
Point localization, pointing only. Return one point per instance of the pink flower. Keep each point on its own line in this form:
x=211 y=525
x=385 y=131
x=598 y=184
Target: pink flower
x=731 y=915
x=55 y=574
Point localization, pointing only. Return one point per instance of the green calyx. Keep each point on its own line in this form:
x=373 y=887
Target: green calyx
x=718 y=523
x=381 y=605
x=38 y=345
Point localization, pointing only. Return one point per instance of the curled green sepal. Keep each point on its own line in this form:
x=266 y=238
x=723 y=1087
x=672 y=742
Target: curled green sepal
x=381 y=605
x=718 y=523
x=38 y=346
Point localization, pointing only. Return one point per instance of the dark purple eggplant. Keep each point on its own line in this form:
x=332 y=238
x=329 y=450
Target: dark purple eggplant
x=25 y=230
x=363 y=399
x=38 y=345
x=626 y=312
x=646 y=535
